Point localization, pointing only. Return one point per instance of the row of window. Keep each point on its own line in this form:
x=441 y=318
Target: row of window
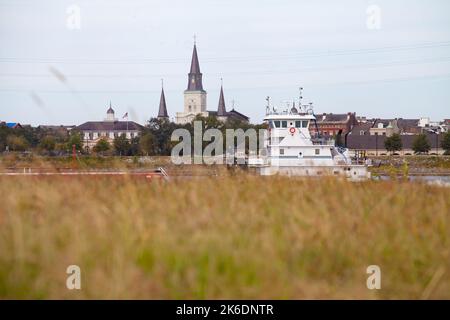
x=112 y=135
x=316 y=152
x=284 y=123
x=330 y=133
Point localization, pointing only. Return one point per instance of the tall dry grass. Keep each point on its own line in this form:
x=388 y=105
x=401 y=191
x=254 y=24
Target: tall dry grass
x=230 y=237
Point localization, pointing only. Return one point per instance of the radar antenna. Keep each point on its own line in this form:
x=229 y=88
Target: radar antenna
x=300 y=98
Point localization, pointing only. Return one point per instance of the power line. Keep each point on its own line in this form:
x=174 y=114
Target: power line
x=312 y=54
x=397 y=63
x=386 y=80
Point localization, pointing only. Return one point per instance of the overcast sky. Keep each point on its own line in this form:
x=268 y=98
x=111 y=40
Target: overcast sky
x=51 y=72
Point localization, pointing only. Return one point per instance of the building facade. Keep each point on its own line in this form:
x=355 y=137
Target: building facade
x=329 y=124
x=109 y=129
x=373 y=145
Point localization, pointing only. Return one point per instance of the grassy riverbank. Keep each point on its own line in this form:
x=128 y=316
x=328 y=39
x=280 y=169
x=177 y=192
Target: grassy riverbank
x=413 y=165
x=230 y=237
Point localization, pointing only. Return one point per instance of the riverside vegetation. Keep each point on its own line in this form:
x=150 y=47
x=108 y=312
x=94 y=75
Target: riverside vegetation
x=232 y=236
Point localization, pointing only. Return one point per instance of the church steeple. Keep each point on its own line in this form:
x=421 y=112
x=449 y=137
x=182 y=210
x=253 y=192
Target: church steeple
x=162 y=113
x=221 y=110
x=195 y=76
x=194 y=95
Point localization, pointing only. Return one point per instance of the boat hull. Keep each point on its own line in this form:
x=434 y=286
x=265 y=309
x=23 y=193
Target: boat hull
x=352 y=172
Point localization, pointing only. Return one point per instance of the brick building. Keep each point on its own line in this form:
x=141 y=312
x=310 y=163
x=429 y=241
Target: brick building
x=330 y=124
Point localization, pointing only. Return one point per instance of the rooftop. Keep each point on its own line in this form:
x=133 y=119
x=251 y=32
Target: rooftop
x=109 y=126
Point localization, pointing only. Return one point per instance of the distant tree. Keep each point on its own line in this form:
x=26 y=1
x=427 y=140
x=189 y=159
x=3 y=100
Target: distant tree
x=393 y=143
x=102 y=146
x=147 y=144
x=421 y=144
x=134 y=146
x=122 y=146
x=60 y=135
x=162 y=132
x=30 y=134
x=61 y=148
x=232 y=123
x=75 y=139
x=445 y=143
x=210 y=122
x=47 y=143
x=16 y=143
x=4 y=133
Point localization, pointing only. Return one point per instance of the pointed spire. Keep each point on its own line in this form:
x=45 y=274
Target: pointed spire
x=195 y=76
x=162 y=113
x=221 y=110
x=195 y=65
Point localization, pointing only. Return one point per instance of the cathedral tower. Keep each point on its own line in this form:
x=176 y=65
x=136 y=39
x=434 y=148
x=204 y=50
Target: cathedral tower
x=194 y=95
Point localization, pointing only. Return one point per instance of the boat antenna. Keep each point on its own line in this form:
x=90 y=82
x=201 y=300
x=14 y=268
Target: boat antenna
x=300 y=98
x=268 y=105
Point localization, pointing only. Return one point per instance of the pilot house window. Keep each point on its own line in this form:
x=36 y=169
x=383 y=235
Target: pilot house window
x=301 y=124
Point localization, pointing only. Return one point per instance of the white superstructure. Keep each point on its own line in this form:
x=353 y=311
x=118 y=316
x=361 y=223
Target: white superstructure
x=289 y=148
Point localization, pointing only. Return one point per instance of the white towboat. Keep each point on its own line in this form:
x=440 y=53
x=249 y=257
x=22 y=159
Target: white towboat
x=290 y=150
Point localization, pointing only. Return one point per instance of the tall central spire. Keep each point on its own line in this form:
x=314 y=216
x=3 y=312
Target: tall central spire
x=195 y=66
x=195 y=76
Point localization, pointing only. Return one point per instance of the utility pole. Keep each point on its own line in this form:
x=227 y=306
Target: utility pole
x=437 y=142
x=74 y=156
x=376 y=144
x=74 y=152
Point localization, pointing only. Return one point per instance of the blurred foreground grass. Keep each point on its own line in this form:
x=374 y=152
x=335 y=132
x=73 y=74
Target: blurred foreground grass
x=230 y=237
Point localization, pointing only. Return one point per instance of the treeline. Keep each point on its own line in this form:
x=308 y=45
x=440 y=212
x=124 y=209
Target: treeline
x=155 y=139
x=27 y=138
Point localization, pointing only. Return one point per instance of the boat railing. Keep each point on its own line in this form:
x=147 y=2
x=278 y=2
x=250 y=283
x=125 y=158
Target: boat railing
x=285 y=113
x=322 y=141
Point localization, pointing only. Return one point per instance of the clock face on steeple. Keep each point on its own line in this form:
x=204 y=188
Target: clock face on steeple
x=193 y=80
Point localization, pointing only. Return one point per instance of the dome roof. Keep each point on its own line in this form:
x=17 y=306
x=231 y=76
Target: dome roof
x=110 y=110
